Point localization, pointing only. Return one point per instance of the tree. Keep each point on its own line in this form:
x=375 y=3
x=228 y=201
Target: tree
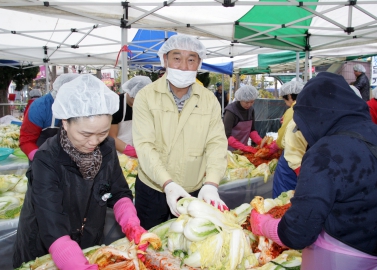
x=21 y=76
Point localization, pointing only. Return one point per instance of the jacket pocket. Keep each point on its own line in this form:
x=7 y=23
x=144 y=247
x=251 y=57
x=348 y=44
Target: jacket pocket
x=194 y=165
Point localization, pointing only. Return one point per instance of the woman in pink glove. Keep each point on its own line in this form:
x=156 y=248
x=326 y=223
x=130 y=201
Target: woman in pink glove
x=333 y=212
x=74 y=177
x=285 y=177
x=239 y=120
x=121 y=125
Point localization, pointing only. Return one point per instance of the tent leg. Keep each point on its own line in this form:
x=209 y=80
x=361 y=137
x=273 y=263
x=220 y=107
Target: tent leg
x=310 y=68
x=222 y=95
x=297 y=65
x=45 y=60
x=306 y=66
x=124 y=53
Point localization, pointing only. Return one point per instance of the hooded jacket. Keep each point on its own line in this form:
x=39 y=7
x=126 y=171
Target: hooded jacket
x=57 y=198
x=337 y=186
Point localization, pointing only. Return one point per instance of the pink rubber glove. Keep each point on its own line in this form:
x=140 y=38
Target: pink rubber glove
x=254 y=136
x=130 y=151
x=233 y=142
x=210 y=194
x=125 y=215
x=265 y=225
x=273 y=147
x=31 y=154
x=67 y=255
x=173 y=192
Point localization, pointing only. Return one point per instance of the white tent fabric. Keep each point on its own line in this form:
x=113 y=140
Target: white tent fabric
x=96 y=36
x=26 y=34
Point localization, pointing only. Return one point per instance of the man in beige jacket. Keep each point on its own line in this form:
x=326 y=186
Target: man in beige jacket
x=178 y=135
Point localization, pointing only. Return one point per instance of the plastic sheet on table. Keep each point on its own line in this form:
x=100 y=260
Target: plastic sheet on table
x=237 y=192
x=14 y=165
x=8 y=231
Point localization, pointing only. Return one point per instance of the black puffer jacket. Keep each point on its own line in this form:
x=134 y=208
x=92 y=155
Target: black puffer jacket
x=362 y=83
x=57 y=197
x=337 y=186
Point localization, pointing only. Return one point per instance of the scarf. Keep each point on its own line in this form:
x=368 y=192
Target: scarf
x=88 y=163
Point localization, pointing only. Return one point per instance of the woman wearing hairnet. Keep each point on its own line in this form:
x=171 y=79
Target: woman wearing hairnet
x=39 y=123
x=74 y=177
x=34 y=94
x=288 y=167
x=333 y=212
x=121 y=125
x=239 y=120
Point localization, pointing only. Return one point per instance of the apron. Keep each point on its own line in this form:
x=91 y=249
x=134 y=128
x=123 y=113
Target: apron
x=338 y=257
x=125 y=127
x=241 y=132
x=48 y=132
x=284 y=178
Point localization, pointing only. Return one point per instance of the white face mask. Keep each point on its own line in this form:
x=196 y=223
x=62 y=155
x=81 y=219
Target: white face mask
x=180 y=78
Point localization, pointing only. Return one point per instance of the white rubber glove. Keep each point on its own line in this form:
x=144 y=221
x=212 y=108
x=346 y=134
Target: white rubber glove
x=173 y=193
x=210 y=194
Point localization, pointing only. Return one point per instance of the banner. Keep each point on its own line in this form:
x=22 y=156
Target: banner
x=373 y=79
x=42 y=73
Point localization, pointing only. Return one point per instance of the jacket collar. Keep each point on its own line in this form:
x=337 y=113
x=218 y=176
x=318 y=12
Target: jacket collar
x=65 y=159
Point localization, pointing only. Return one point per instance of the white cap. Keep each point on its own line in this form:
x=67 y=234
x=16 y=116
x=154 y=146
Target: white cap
x=295 y=80
x=246 y=93
x=64 y=78
x=292 y=87
x=357 y=91
x=84 y=96
x=35 y=93
x=182 y=42
x=359 y=68
x=134 y=85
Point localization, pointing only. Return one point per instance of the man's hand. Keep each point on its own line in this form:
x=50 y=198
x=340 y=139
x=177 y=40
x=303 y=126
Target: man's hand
x=210 y=194
x=173 y=193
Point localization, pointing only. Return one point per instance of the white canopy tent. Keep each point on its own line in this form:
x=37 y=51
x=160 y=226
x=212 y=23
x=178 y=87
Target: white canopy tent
x=88 y=31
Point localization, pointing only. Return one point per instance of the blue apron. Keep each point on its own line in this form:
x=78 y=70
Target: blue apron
x=284 y=178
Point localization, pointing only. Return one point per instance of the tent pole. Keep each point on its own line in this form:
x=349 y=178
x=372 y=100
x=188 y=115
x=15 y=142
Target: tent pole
x=222 y=94
x=45 y=60
x=310 y=68
x=306 y=66
x=230 y=87
x=297 y=65
x=124 y=54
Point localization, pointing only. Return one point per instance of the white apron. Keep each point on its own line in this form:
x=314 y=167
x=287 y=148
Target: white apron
x=125 y=127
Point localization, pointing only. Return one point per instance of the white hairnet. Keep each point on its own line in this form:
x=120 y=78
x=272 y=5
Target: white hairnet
x=182 y=42
x=357 y=91
x=64 y=78
x=35 y=93
x=292 y=87
x=84 y=96
x=134 y=85
x=374 y=93
x=295 y=80
x=359 y=68
x=246 y=93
